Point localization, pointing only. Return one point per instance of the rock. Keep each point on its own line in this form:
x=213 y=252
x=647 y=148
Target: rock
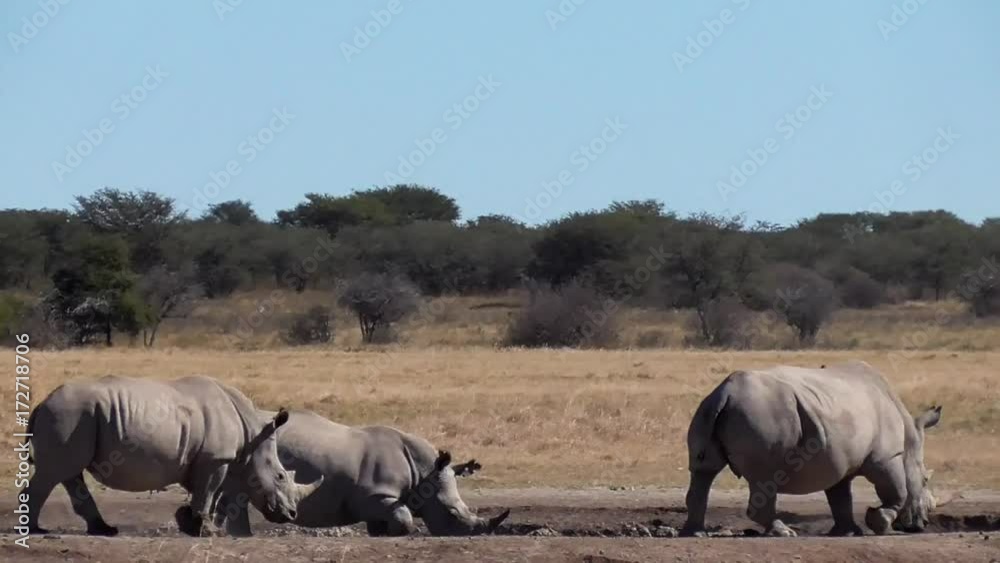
x=543 y=532
x=665 y=532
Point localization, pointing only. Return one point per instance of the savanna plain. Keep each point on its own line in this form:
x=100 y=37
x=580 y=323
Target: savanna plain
x=578 y=442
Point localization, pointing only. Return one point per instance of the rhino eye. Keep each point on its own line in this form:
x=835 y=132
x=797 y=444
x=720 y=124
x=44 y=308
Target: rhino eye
x=281 y=476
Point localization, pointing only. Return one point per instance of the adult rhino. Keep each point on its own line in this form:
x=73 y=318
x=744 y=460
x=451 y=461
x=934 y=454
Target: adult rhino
x=797 y=431
x=141 y=435
x=374 y=474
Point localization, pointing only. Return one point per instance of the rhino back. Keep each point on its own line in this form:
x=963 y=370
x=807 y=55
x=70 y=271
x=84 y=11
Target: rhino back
x=359 y=466
x=816 y=426
x=145 y=433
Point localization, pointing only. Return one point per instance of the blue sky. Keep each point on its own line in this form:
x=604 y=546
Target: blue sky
x=491 y=102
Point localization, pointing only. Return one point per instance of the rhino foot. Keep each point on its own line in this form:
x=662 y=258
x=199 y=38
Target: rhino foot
x=693 y=532
x=879 y=520
x=187 y=521
x=778 y=529
x=102 y=529
x=845 y=531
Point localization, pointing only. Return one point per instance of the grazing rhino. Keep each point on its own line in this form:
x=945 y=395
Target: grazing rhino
x=142 y=435
x=797 y=431
x=375 y=474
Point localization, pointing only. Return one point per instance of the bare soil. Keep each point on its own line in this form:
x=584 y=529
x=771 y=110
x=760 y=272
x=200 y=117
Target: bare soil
x=546 y=525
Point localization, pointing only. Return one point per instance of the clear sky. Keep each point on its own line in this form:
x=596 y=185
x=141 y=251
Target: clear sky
x=492 y=101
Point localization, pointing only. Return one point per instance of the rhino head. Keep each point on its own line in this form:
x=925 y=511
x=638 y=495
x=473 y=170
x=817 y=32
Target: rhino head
x=270 y=487
x=914 y=515
x=436 y=500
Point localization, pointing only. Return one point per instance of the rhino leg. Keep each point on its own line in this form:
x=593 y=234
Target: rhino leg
x=401 y=523
x=889 y=479
x=397 y=518
x=38 y=492
x=377 y=528
x=842 y=506
x=697 y=502
x=197 y=519
x=232 y=512
x=85 y=507
x=762 y=508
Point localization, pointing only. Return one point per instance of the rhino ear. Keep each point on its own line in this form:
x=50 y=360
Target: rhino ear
x=929 y=418
x=281 y=417
x=444 y=458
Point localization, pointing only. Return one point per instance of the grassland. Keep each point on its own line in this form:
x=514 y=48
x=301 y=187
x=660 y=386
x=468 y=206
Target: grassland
x=252 y=321
x=560 y=418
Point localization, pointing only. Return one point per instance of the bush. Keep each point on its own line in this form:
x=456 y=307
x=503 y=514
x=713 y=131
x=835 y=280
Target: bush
x=804 y=298
x=857 y=290
x=572 y=317
x=378 y=300
x=723 y=322
x=981 y=291
x=652 y=338
x=311 y=327
x=12 y=312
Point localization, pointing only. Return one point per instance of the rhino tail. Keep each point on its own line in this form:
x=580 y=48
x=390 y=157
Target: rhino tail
x=705 y=448
x=31 y=431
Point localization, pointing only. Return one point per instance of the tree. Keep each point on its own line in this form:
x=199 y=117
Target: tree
x=95 y=294
x=942 y=249
x=803 y=297
x=234 y=212
x=141 y=217
x=712 y=259
x=378 y=300
x=333 y=213
x=587 y=245
x=22 y=249
x=409 y=202
x=166 y=294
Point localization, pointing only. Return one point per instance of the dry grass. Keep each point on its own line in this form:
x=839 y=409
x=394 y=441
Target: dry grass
x=559 y=418
x=481 y=322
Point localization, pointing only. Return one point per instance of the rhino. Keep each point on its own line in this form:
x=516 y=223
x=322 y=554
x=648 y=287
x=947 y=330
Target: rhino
x=795 y=430
x=374 y=474
x=143 y=435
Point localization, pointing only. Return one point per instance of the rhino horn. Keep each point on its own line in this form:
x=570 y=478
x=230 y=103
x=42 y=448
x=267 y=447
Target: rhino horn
x=497 y=520
x=306 y=490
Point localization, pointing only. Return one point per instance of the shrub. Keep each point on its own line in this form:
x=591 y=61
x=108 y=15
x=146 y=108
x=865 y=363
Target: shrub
x=858 y=290
x=652 y=338
x=572 y=317
x=804 y=298
x=12 y=312
x=311 y=327
x=981 y=291
x=378 y=300
x=723 y=322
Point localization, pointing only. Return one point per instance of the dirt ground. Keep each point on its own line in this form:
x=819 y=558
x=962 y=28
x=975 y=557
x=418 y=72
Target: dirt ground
x=546 y=525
